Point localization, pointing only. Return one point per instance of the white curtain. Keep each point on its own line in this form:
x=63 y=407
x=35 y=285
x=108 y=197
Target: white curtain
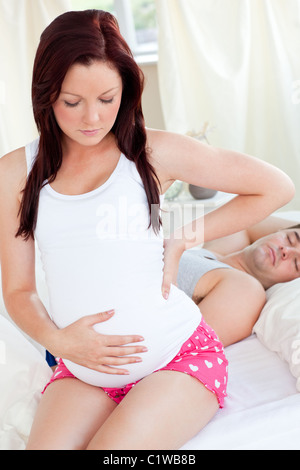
x=21 y=24
x=235 y=64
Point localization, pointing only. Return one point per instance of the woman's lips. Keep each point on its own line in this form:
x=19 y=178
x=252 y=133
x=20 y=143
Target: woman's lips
x=90 y=133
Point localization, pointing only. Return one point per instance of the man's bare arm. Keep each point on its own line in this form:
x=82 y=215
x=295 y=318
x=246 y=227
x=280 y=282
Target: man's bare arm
x=240 y=240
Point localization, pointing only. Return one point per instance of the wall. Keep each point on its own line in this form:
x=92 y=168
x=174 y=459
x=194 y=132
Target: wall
x=151 y=97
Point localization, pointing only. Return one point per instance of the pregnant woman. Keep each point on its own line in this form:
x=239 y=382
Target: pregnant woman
x=138 y=366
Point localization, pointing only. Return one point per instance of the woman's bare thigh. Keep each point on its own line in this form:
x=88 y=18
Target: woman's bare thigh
x=69 y=414
x=162 y=411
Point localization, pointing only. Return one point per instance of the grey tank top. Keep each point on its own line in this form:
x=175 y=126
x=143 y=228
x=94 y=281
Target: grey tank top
x=193 y=265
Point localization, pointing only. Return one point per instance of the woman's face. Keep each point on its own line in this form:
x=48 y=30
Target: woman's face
x=89 y=102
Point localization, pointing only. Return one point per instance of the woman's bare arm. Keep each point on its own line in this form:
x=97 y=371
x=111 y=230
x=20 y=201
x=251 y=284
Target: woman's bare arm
x=255 y=182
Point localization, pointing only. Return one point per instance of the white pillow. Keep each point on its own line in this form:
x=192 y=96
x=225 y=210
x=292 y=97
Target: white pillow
x=278 y=326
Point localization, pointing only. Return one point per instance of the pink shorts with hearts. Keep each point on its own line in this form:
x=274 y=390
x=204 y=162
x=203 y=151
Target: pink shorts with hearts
x=201 y=356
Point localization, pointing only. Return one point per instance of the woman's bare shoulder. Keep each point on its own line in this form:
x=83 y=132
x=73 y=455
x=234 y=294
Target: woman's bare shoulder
x=13 y=169
x=158 y=140
x=17 y=155
x=162 y=146
x=176 y=149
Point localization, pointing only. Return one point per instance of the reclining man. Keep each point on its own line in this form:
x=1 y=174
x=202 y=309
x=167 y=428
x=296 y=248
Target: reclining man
x=227 y=279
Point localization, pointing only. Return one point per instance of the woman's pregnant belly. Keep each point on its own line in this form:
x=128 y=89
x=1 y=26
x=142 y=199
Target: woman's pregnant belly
x=126 y=277
x=164 y=324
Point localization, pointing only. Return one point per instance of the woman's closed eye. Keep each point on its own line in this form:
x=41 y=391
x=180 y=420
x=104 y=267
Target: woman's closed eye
x=106 y=101
x=73 y=105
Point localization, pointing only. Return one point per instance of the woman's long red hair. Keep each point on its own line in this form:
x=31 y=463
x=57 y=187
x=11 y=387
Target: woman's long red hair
x=82 y=37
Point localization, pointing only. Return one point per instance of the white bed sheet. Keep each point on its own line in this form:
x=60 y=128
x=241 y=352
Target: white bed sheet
x=262 y=409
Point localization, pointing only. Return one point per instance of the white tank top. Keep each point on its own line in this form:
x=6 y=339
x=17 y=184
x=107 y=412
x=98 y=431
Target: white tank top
x=98 y=254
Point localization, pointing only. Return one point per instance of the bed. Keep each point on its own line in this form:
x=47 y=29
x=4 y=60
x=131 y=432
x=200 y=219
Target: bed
x=262 y=410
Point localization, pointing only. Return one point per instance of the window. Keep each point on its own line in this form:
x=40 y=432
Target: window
x=137 y=20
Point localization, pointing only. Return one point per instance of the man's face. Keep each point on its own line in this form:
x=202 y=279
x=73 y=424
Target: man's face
x=275 y=258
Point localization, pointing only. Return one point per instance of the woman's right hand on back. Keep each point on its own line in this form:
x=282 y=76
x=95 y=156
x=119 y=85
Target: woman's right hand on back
x=80 y=343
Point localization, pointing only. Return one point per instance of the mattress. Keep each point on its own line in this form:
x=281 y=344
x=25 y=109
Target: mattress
x=262 y=409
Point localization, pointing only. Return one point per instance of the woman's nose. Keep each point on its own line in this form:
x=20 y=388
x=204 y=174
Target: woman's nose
x=91 y=115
